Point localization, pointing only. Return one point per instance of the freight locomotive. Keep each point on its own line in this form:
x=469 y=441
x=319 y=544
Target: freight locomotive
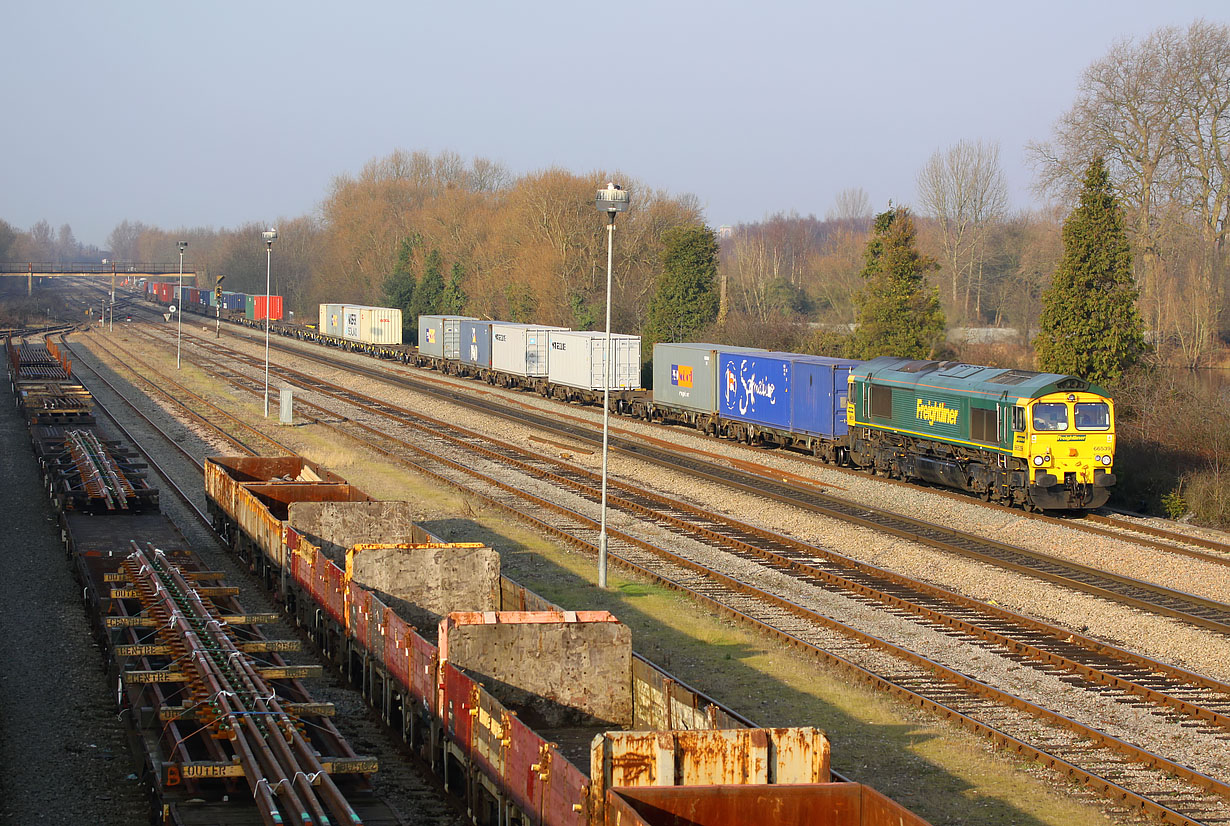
x=1040 y=441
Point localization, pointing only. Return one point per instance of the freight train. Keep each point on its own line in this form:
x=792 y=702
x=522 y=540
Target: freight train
x=1040 y=441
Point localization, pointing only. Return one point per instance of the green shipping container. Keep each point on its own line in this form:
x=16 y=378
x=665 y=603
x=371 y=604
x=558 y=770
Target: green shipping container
x=249 y=307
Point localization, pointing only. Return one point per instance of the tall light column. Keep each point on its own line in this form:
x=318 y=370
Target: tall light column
x=612 y=200
x=179 y=306
x=270 y=235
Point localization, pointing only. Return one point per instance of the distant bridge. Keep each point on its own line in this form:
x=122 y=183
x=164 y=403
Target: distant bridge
x=113 y=269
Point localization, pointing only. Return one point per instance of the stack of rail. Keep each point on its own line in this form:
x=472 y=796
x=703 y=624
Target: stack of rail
x=55 y=403
x=220 y=738
x=237 y=712
x=86 y=473
x=38 y=361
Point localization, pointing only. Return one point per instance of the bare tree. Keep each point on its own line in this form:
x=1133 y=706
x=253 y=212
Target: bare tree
x=1158 y=111
x=851 y=204
x=123 y=240
x=963 y=188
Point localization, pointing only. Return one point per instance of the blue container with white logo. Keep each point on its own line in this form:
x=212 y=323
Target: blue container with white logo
x=755 y=388
x=793 y=393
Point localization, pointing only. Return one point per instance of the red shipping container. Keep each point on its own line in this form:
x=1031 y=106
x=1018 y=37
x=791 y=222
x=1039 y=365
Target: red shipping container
x=275 y=303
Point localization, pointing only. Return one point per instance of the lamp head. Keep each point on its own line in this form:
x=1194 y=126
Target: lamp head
x=182 y=246
x=270 y=235
x=612 y=199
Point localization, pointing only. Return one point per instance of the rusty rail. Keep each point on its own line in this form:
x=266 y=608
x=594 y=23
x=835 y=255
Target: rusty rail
x=233 y=701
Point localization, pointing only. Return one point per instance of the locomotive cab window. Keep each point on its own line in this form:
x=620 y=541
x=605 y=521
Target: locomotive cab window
x=1018 y=419
x=1092 y=416
x=881 y=401
x=1050 y=416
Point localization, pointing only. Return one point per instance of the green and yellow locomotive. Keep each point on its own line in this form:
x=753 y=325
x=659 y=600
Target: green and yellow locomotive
x=1039 y=440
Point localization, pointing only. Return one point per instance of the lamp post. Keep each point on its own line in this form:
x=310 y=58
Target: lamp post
x=270 y=235
x=612 y=200
x=179 y=306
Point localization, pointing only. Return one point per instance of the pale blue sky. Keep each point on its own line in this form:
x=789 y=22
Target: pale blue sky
x=214 y=114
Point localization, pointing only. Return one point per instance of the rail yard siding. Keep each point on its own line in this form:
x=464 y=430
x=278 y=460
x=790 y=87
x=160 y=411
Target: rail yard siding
x=440 y=335
x=521 y=349
x=578 y=360
x=570 y=667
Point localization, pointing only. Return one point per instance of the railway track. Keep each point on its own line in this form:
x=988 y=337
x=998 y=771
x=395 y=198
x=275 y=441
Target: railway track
x=1125 y=590
x=1061 y=743
x=415 y=790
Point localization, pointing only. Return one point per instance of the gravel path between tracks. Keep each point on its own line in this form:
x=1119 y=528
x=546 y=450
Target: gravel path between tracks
x=401 y=783
x=63 y=753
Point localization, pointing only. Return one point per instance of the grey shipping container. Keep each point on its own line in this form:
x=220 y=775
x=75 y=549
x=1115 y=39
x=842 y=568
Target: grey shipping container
x=331 y=319
x=371 y=325
x=521 y=349
x=578 y=359
x=686 y=375
x=440 y=335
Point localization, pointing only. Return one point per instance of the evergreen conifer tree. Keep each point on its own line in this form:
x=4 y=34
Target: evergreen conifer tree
x=429 y=294
x=454 y=299
x=398 y=288
x=1090 y=326
x=897 y=313
x=686 y=297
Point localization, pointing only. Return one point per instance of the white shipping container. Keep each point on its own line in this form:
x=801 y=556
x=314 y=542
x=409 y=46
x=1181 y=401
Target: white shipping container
x=521 y=349
x=578 y=359
x=371 y=325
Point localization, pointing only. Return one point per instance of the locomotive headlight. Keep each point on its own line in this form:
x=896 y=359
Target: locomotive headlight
x=1106 y=459
x=1038 y=460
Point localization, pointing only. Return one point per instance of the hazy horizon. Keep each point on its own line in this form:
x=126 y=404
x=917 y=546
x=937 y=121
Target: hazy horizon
x=205 y=116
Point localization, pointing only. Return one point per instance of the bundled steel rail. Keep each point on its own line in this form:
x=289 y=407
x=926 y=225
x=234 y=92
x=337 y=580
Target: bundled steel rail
x=232 y=702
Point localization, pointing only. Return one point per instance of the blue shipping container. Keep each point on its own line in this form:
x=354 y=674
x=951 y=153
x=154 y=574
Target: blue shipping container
x=755 y=388
x=788 y=391
x=821 y=388
x=475 y=343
